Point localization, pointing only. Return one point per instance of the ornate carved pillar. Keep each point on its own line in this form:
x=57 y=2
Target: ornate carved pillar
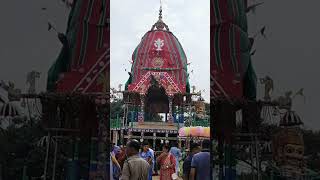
x=102 y=107
x=170 y=118
x=141 y=113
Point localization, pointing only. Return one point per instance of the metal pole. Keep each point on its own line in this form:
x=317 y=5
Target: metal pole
x=257 y=157
x=55 y=160
x=154 y=140
x=252 y=163
x=47 y=156
x=124 y=116
x=221 y=164
x=0 y=171
x=190 y=114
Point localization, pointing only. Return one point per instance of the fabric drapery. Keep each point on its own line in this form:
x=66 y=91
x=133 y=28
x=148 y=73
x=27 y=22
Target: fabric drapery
x=232 y=73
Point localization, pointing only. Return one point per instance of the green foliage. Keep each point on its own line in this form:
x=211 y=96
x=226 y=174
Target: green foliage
x=18 y=149
x=116 y=108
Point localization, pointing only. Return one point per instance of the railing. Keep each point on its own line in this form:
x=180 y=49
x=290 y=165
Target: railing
x=154 y=123
x=116 y=123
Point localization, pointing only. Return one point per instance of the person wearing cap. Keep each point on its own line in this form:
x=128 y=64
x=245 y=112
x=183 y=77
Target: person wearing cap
x=134 y=167
x=195 y=148
x=200 y=164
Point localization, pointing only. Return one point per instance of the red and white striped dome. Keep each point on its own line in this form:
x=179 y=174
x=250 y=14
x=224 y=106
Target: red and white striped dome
x=159 y=56
x=290 y=118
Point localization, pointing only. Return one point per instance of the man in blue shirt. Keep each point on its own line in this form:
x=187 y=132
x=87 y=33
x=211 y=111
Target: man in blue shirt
x=194 y=149
x=200 y=164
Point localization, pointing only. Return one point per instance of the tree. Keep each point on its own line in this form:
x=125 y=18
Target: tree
x=116 y=109
x=18 y=149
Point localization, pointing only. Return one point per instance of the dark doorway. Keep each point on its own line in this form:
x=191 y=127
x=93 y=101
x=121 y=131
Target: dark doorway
x=156 y=101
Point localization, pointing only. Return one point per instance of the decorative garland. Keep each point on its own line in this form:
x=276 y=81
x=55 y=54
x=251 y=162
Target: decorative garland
x=162 y=69
x=102 y=103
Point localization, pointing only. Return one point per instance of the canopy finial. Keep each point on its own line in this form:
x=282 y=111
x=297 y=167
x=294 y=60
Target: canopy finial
x=160 y=10
x=160 y=25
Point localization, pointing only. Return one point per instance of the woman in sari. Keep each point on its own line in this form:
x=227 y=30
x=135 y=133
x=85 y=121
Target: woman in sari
x=147 y=155
x=115 y=168
x=122 y=156
x=167 y=164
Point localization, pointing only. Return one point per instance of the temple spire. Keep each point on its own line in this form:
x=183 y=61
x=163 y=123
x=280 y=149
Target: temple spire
x=160 y=11
x=160 y=25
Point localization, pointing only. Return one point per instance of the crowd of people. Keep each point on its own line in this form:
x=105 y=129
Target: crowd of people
x=137 y=161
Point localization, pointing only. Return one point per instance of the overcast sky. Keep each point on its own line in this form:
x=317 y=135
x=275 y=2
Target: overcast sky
x=188 y=20
x=25 y=43
x=290 y=54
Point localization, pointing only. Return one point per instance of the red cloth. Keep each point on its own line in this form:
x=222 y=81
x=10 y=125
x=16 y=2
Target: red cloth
x=90 y=51
x=227 y=72
x=171 y=58
x=121 y=157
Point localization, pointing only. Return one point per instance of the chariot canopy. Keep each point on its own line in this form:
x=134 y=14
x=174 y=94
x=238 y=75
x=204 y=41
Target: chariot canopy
x=159 y=58
x=232 y=73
